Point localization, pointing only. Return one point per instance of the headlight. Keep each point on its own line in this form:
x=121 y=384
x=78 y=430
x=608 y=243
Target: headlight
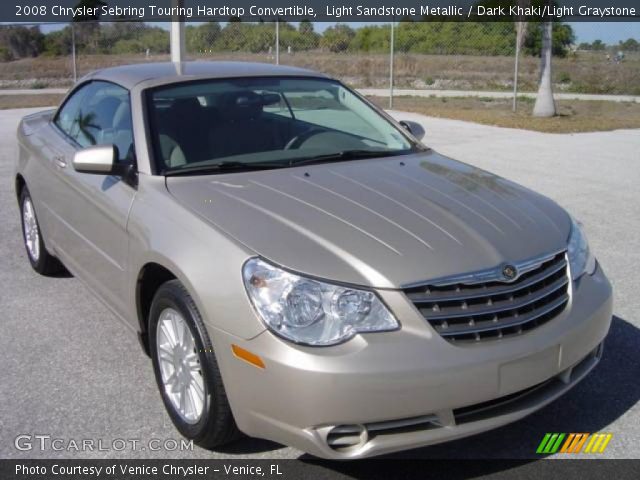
x=580 y=258
x=309 y=311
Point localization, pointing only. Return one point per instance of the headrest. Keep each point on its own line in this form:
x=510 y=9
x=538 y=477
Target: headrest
x=185 y=107
x=244 y=105
x=105 y=110
x=122 y=117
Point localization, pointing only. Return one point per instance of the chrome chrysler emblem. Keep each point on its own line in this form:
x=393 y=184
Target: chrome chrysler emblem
x=509 y=272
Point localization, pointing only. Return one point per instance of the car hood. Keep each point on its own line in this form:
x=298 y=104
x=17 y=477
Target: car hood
x=384 y=223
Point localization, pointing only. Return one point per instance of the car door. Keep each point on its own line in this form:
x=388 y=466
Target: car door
x=47 y=184
x=92 y=235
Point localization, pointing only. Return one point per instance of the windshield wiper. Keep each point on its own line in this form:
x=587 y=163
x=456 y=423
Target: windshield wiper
x=343 y=155
x=224 y=167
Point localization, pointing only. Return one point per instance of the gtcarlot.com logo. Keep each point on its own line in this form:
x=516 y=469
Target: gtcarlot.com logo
x=28 y=442
x=574 y=443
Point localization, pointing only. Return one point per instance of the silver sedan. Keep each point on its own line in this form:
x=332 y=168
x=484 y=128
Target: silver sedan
x=299 y=266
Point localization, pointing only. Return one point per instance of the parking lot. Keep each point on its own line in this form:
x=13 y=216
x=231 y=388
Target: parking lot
x=71 y=371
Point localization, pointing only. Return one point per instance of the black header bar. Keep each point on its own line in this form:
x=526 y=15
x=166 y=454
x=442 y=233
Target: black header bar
x=36 y=11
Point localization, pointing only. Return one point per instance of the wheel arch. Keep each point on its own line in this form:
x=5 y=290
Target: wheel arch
x=150 y=277
x=19 y=185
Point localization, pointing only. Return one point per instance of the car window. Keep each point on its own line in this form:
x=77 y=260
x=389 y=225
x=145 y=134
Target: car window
x=280 y=120
x=332 y=108
x=99 y=114
x=67 y=117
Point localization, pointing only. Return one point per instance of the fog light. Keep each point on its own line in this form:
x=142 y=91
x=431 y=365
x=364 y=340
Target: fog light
x=345 y=437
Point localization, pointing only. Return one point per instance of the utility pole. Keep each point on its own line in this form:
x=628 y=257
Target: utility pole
x=391 y=55
x=74 y=59
x=519 y=27
x=277 y=41
x=521 y=32
x=177 y=35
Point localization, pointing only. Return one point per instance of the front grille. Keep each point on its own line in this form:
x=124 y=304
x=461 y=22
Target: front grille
x=471 y=312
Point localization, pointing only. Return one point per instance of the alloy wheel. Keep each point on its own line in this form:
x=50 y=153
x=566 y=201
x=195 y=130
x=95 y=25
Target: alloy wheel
x=31 y=230
x=180 y=367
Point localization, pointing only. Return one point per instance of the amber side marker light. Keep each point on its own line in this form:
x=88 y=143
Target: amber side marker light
x=247 y=356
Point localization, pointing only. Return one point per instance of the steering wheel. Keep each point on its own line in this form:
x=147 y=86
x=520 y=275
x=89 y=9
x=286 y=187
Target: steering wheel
x=297 y=141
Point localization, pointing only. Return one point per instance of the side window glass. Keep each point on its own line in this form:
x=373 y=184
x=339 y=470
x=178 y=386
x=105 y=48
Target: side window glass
x=105 y=118
x=68 y=115
x=99 y=113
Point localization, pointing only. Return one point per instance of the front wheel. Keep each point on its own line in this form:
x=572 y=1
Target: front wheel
x=186 y=370
x=41 y=261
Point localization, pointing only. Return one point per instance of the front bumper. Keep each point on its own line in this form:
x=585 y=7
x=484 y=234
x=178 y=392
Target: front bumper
x=385 y=392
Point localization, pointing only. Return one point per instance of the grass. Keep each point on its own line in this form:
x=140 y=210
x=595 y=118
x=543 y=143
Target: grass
x=573 y=115
x=28 y=101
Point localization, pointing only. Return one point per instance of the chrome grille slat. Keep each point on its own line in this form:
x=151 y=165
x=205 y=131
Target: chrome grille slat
x=552 y=306
x=484 y=292
x=474 y=311
x=503 y=306
x=344 y=441
x=406 y=422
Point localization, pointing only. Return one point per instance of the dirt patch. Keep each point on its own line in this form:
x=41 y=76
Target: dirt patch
x=28 y=101
x=573 y=115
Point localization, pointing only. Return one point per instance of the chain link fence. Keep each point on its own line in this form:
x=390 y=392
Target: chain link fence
x=406 y=55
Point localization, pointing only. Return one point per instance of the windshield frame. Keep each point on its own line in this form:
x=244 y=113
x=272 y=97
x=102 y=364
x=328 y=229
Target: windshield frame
x=150 y=119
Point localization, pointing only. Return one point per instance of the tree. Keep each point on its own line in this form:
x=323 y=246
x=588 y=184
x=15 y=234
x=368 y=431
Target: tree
x=545 y=105
x=598 y=45
x=630 y=45
x=306 y=27
x=372 y=38
x=304 y=38
x=87 y=28
x=337 y=38
x=562 y=39
x=58 y=42
x=202 y=37
x=20 y=42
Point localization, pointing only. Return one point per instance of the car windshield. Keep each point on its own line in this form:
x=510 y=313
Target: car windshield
x=258 y=123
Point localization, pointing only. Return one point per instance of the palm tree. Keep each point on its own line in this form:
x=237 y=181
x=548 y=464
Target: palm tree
x=545 y=105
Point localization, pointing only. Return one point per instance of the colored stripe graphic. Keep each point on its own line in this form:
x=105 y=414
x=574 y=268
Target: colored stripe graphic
x=550 y=443
x=579 y=442
x=598 y=443
x=543 y=443
x=565 y=447
x=574 y=443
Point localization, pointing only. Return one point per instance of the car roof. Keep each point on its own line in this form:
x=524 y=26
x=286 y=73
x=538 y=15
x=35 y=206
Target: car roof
x=160 y=73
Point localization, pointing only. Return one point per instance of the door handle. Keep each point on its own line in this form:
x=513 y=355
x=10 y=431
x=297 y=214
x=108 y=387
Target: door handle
x=60 y=161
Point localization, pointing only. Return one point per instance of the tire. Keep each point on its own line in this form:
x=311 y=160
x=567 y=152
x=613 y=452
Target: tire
x=40 y=259
x=214 y=426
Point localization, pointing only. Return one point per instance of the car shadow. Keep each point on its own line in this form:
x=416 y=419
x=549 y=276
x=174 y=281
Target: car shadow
x=249 y=445
x=61 y=274
x=600 y=399
x=591 y=406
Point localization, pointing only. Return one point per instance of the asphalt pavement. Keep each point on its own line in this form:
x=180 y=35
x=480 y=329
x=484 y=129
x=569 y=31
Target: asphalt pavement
x=70 y=371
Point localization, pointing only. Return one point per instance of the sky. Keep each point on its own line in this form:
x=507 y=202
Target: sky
x=608 y=32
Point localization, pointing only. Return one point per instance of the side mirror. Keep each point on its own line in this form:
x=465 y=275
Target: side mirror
x=414 y=128
x=99 y=160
